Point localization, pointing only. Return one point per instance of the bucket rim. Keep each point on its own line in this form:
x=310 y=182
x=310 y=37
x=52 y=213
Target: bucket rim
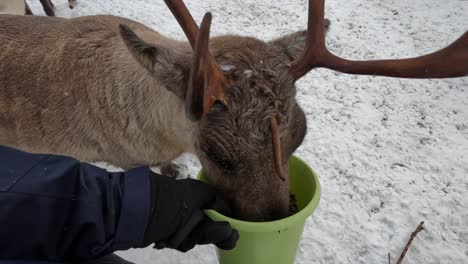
x=276 y=225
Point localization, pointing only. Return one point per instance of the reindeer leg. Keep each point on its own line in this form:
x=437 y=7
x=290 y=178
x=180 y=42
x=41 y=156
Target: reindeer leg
x=48 y=7
x=28 y=9
x=71 y=3
x=51 y=4
x=170 y=169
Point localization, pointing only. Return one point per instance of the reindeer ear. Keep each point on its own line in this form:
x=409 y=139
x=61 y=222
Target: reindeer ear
x=144 y=52
x=292 y=45
x=172 y=69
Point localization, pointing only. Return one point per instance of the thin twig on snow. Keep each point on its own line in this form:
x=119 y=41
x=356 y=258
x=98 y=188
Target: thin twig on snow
x=413 y=235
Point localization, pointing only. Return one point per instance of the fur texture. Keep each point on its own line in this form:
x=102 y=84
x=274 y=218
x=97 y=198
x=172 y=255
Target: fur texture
x=13 y=7
x=108 y=88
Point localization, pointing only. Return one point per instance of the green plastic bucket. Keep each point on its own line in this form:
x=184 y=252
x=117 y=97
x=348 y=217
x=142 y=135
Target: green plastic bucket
x=274 y=242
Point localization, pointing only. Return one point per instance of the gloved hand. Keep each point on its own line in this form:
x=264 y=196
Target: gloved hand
x=177 y=220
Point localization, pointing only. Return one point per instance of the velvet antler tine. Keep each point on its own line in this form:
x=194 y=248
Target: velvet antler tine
x=185 y=19
x=199 y=78
x=216 y=87
x=315 y=48
x=208 y=83
x=449 y=62
x=276 y=140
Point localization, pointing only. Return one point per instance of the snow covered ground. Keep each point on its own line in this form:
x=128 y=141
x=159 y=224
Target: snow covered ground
x=389 y=152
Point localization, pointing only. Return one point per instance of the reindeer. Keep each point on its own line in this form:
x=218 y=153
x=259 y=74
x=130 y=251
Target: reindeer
x=48 y=6
x=23 y=7
x=109 y=88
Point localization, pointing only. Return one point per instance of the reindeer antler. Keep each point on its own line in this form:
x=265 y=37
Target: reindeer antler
x=208 y=83
x=451 y=61
x=276 y=140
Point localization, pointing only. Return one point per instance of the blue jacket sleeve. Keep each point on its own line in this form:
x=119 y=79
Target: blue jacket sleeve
x=55 y=208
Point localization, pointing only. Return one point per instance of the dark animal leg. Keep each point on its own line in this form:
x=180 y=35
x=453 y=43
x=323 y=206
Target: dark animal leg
x=48 y=7
x=71 y=3
x=170 y=169
x=28 y=9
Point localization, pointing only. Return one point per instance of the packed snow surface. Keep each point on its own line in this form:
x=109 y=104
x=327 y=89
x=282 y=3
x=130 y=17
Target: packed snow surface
x=389 y=152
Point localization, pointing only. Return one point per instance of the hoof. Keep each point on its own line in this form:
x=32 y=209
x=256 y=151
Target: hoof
x=171 y=170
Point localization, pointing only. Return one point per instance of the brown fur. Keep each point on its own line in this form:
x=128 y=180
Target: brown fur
x=85 y=88
x=14 y=7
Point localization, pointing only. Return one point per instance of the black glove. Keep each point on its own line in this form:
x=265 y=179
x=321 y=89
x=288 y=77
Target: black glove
x=177 y=220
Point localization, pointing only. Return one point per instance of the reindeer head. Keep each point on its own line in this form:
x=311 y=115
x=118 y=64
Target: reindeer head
x=244 y=136
x=241 y=94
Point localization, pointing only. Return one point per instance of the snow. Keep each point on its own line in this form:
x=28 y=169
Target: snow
x=389 y=152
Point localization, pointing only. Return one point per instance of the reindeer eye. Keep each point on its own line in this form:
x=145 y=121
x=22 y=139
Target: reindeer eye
x=219 y=158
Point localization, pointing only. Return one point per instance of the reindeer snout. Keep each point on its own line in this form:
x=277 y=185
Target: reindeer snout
x=263 y=209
